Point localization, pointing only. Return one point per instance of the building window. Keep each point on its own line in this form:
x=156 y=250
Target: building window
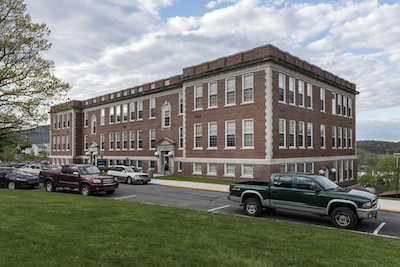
x=85 y=119
x=124 y=112
x=310 y=135
x=230 y=133
x=248 y=133
x=102 y=116
x=180 y=103
x=63 y=143
x=197 y=168
x=124 y=140
x=212 y=95
x=152 y=135
x=68 y=143
x=198 y=97
x=350 y=138
x=340 y=137
x=166 y=116
x=85 y=142
x=282 y=88
x=333 y=136
x=344 y=137
x=282 y=133
x=132 y=140
x=230 y=92
x=140 y=139
x=180 y=137
x=152 y=107
x=344 y=106
x=300 y=95
x=247 y=171
x=310 y=167
x=118 y=114
x=323 y=136
x=212 y=169
x=68 y=120
x=339 y=104
x=292 y=99
x=140 y=110
x=292 y=134
x=350 y=107
x=229 y=170
x=111 y=115
x=333 y=103
x=301 y=134
x=102 y=142
x=212 y=135
x=198 y=135
x=94 y=125
x=132 y=111
x=309 y=96
x=283 y=168
x=248 y=88
x=322 y=99
x=118 y=141
x=111 y=141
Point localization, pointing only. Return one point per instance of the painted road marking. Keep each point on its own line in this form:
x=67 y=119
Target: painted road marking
x=219 y=208
x=120 y=198
x=379 y=228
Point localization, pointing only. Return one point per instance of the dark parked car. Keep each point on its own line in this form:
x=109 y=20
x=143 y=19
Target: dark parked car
x=14 y=178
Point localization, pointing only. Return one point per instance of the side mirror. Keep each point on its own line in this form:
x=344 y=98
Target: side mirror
x=76 y=174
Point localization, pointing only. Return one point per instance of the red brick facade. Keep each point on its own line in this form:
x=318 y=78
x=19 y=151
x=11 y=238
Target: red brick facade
x=239 y=117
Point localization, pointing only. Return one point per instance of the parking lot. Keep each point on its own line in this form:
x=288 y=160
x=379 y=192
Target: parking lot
x=387 y=223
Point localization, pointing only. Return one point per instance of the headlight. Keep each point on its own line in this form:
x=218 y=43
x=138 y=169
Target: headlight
x=116 y=179
x=22 y=179
x=96 y=181
x=367 y=205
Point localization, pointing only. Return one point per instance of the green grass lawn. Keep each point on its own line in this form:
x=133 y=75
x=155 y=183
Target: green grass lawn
x=57 y=229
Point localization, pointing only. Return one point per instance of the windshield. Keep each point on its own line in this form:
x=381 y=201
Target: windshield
x=130 y=169
x=326 y=183
x=17 y=172
x=89 y=170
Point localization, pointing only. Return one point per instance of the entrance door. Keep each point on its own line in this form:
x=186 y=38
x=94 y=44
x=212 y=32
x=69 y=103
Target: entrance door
x=166 y=161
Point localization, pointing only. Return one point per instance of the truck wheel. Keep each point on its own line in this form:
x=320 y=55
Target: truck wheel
x=252 y=207
x=129 y=180
x=85 y=190
x=343 y=217
x=11 y=185
x=49 y=186
x=110 y=192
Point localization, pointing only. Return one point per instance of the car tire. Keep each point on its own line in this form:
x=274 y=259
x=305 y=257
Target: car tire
x=129 y=180
x=49 y=186
x=11 y=185
x=145 y=182
x=252 y=207
x=85 y=190
x=110 y=192
x=344 y=218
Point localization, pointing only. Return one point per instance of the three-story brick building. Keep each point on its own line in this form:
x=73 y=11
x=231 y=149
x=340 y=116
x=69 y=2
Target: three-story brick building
x=242 y=116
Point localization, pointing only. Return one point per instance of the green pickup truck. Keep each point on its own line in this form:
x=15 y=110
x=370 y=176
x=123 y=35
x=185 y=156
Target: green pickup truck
x=306 y=193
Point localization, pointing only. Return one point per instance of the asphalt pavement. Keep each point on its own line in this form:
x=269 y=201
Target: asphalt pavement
x=386 y=205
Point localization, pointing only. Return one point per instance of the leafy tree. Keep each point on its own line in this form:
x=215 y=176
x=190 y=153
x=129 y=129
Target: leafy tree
x=8 y=153
x=27 y=84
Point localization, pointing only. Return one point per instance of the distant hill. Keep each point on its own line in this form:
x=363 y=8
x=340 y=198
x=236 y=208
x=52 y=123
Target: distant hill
x=378 y=147
x=39 y=135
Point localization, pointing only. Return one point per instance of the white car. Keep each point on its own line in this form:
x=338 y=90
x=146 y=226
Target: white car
x=128 y=174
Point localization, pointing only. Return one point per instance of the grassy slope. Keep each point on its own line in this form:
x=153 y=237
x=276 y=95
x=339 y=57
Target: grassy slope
x=56 y=229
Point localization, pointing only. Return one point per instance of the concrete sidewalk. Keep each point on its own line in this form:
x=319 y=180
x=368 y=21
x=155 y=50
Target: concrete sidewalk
x=386 y=205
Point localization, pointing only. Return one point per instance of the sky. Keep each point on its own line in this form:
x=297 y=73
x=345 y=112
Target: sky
x=102 y=46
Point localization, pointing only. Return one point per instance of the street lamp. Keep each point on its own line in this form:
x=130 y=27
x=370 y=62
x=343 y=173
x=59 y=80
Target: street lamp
x=397 y=179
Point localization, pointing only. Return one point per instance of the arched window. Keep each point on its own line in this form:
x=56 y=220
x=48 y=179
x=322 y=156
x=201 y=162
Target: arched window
x=166 y=115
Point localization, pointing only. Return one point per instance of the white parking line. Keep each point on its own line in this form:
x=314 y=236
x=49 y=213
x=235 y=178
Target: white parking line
x=379 y=228
x=219 y=208
x=120 y=198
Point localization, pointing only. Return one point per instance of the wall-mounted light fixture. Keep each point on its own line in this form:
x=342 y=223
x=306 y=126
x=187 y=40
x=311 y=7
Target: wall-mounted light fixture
x=156 y=154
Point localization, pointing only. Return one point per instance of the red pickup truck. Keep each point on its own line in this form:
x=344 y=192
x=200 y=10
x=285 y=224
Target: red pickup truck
x=85 y=178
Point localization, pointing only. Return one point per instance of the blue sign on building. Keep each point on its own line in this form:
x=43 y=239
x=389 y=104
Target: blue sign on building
x=101 y=162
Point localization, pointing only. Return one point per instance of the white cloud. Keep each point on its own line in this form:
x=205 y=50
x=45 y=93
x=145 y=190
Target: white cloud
x=104 y=46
